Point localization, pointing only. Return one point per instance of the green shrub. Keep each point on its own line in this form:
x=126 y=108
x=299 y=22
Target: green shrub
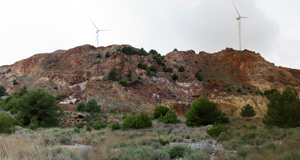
x=196 y=155
x=76 y=130
x=2 y=91
x=170 y=117
x=181 y=69
x=153 y=68
x=283 y=109
x=174 y=77
x=114 y=158
x=39 y=104
x=142 y=66
x=58 y=96
x=270 y=92
x=92 y=106
x=129 y=75
x=123 y=83
x=239 y=90
x=160 y=155
x=248 y=111
x=165 y=69
x=89 y=129
x=176 y=151
x=15 y=82
x=114 y=126
x=223 y=136
x=175 y=50
x=248 y=137
x=143 y=121
x=216 y=130
x=34 y=123
x=160 y=111
x=6 y=124
x=113 y=75
x=132 y=51
x=204 y=112
x=198 y=76
x=80 y=107
x=99 y=55
x=242 y=152
x=99 y=125
x=163 y=142
x=129 y=121
x=107 y=55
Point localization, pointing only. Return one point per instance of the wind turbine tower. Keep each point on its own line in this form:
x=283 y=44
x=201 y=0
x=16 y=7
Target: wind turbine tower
x=97 y=31
x=239 y=19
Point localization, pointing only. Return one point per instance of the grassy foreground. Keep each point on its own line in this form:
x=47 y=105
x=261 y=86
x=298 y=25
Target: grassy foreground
x=248 y=138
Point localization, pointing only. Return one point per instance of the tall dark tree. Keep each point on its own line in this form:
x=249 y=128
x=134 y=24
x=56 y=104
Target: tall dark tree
x=204 y=112
x=283 y=109
x=39 y=105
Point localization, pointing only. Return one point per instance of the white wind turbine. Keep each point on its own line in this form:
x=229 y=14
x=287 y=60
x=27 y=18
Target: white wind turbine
x=240 y=26
x=97 y=31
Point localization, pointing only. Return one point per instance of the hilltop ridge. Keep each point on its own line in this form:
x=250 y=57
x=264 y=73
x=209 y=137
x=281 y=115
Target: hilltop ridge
x=81 y=73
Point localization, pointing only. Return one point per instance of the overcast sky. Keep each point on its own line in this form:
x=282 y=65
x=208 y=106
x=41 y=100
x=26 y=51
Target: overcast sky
x=43 y=26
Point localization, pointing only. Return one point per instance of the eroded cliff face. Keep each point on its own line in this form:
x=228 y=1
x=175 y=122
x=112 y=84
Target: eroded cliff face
x=78 y=75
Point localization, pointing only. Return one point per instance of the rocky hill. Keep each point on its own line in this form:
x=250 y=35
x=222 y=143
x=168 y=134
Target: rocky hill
x=230 y=78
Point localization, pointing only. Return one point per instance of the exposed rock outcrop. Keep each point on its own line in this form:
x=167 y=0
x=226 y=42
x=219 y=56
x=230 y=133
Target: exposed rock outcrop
x=78 y=75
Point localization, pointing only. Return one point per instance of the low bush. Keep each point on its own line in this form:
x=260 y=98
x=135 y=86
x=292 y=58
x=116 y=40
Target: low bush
x=143 y=121
x=163 y=142
x=196 y=155
x=165 y=69
x=181 y=69
x=153 y=68
x=174 y=77
x=6 y=124
x=92 y=106
x=160 y=155
x=248 y=137
x=216 y=130
x=114 y=126
x=142 y=66
x=176 y=151
x=248 y=111
x=169 y=117
x=123 y=82
x=99 y=125
x=80 y=107
x=113 y=75
x=160 y=111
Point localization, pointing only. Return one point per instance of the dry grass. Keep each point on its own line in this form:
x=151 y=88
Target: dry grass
x=268 y=143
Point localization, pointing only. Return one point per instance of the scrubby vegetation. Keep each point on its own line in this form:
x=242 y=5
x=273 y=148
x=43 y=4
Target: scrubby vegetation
x=204 y=112
x=6 y=124
x=283 y=109
x=38 y=106
x=181 y=69
x=91 y=107
x=2 y=91
x=113 y=75
x=132 y=51
x=160 y=111
x=248 y=111
x=137 y=121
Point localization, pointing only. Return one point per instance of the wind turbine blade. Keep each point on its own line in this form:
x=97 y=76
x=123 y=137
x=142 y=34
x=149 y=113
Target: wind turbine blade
x=236 y=10
x=94 y=24
x=243 y=17
x=104 y=30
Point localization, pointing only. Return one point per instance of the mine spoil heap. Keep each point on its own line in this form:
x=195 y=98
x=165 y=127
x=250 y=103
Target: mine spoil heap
x=230 y=78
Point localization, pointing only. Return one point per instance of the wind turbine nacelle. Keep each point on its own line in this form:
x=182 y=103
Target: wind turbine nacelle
x=238 y=18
